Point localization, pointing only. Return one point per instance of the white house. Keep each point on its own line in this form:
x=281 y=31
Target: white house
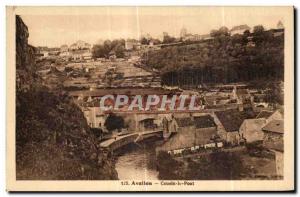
x=240 y=29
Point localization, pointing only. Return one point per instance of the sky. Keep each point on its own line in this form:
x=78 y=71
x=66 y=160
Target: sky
x=54 y=27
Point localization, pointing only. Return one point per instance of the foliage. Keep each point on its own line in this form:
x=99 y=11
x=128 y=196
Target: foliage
x=168 y=39
x=223 y=31
x=145 y=41
x=53 y=140
x=216 y=166
x=224 y=59
x=167 y=166
x=114 y=122
x=104 y=50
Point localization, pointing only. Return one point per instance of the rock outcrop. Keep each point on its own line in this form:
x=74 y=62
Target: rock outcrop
x=53 y=140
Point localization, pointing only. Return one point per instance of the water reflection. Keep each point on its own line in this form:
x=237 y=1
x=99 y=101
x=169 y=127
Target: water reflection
x=137 y=162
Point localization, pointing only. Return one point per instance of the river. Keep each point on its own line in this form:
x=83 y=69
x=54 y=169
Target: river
x=137 y=162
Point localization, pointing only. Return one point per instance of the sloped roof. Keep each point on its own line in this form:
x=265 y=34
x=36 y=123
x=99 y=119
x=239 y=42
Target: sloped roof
x=199 y=121
x=240 y=27
x=254 y=124
x=204 y=121
x=264 y=114
x=275 y=126
x=184 y=122
x=232 y=119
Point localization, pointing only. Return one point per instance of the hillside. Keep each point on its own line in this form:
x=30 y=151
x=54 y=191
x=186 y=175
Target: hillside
x=223 y=59
x=53 y=140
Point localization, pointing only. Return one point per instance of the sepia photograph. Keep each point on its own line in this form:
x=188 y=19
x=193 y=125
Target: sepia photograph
x=150 y=98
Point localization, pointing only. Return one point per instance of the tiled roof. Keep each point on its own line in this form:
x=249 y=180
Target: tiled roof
x=204 y=121
x=199 y=122
x=233 y=119
x=240 y=27
x=264 y=114
x=184 y=122
x=275 y=126
x=254 y=124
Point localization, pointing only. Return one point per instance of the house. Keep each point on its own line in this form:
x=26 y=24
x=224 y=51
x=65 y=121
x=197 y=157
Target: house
x=277 y=32
x=65 y=55
x=251 y=130
x=229 y=123
x=81 y=54
x=240 y=29
x=169 y=125
x=260 y=100
x=79 y=45
x=147 y=124
x=216 y=99
x=273 y=140
x=270 y=115
x=242 y=97
x=192 y=133
x=132 y=44
x=94 y=117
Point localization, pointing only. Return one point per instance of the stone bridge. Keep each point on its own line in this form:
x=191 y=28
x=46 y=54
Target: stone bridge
x=122 y=140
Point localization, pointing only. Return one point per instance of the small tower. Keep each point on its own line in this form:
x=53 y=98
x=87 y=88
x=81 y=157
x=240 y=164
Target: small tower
x=280 y=25
x=183 y=32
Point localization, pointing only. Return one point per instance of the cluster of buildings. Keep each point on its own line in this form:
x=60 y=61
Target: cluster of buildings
x=226 y=128
x=101 y=73
x=236 y=30
x=236 y=123
x=77 y=51
x=229 y=116
x=185 y=36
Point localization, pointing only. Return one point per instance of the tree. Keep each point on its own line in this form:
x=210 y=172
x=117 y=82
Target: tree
x=213 y=33
x=258 y=29
x=114 y=122
x=274 y=94
x=103 y=51
x=223 y=31
x=259 y=34
x=216 y=166
x=119 y=50
x=98 y=51
x=144 y=41
x=222 y=59
x=156 y=41
x=168 y=39
x=247 y=33
x=167 y=166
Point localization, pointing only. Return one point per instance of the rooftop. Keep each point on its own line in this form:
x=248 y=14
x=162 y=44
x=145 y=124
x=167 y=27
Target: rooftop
x=240 y=27
x=264 y=114
x=254 y=124
x=204 y=121
x=232 y=119
x=121 y=91
x=275 y=126
x=199 y=121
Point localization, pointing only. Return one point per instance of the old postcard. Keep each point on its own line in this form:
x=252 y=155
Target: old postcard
x=150 y=98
